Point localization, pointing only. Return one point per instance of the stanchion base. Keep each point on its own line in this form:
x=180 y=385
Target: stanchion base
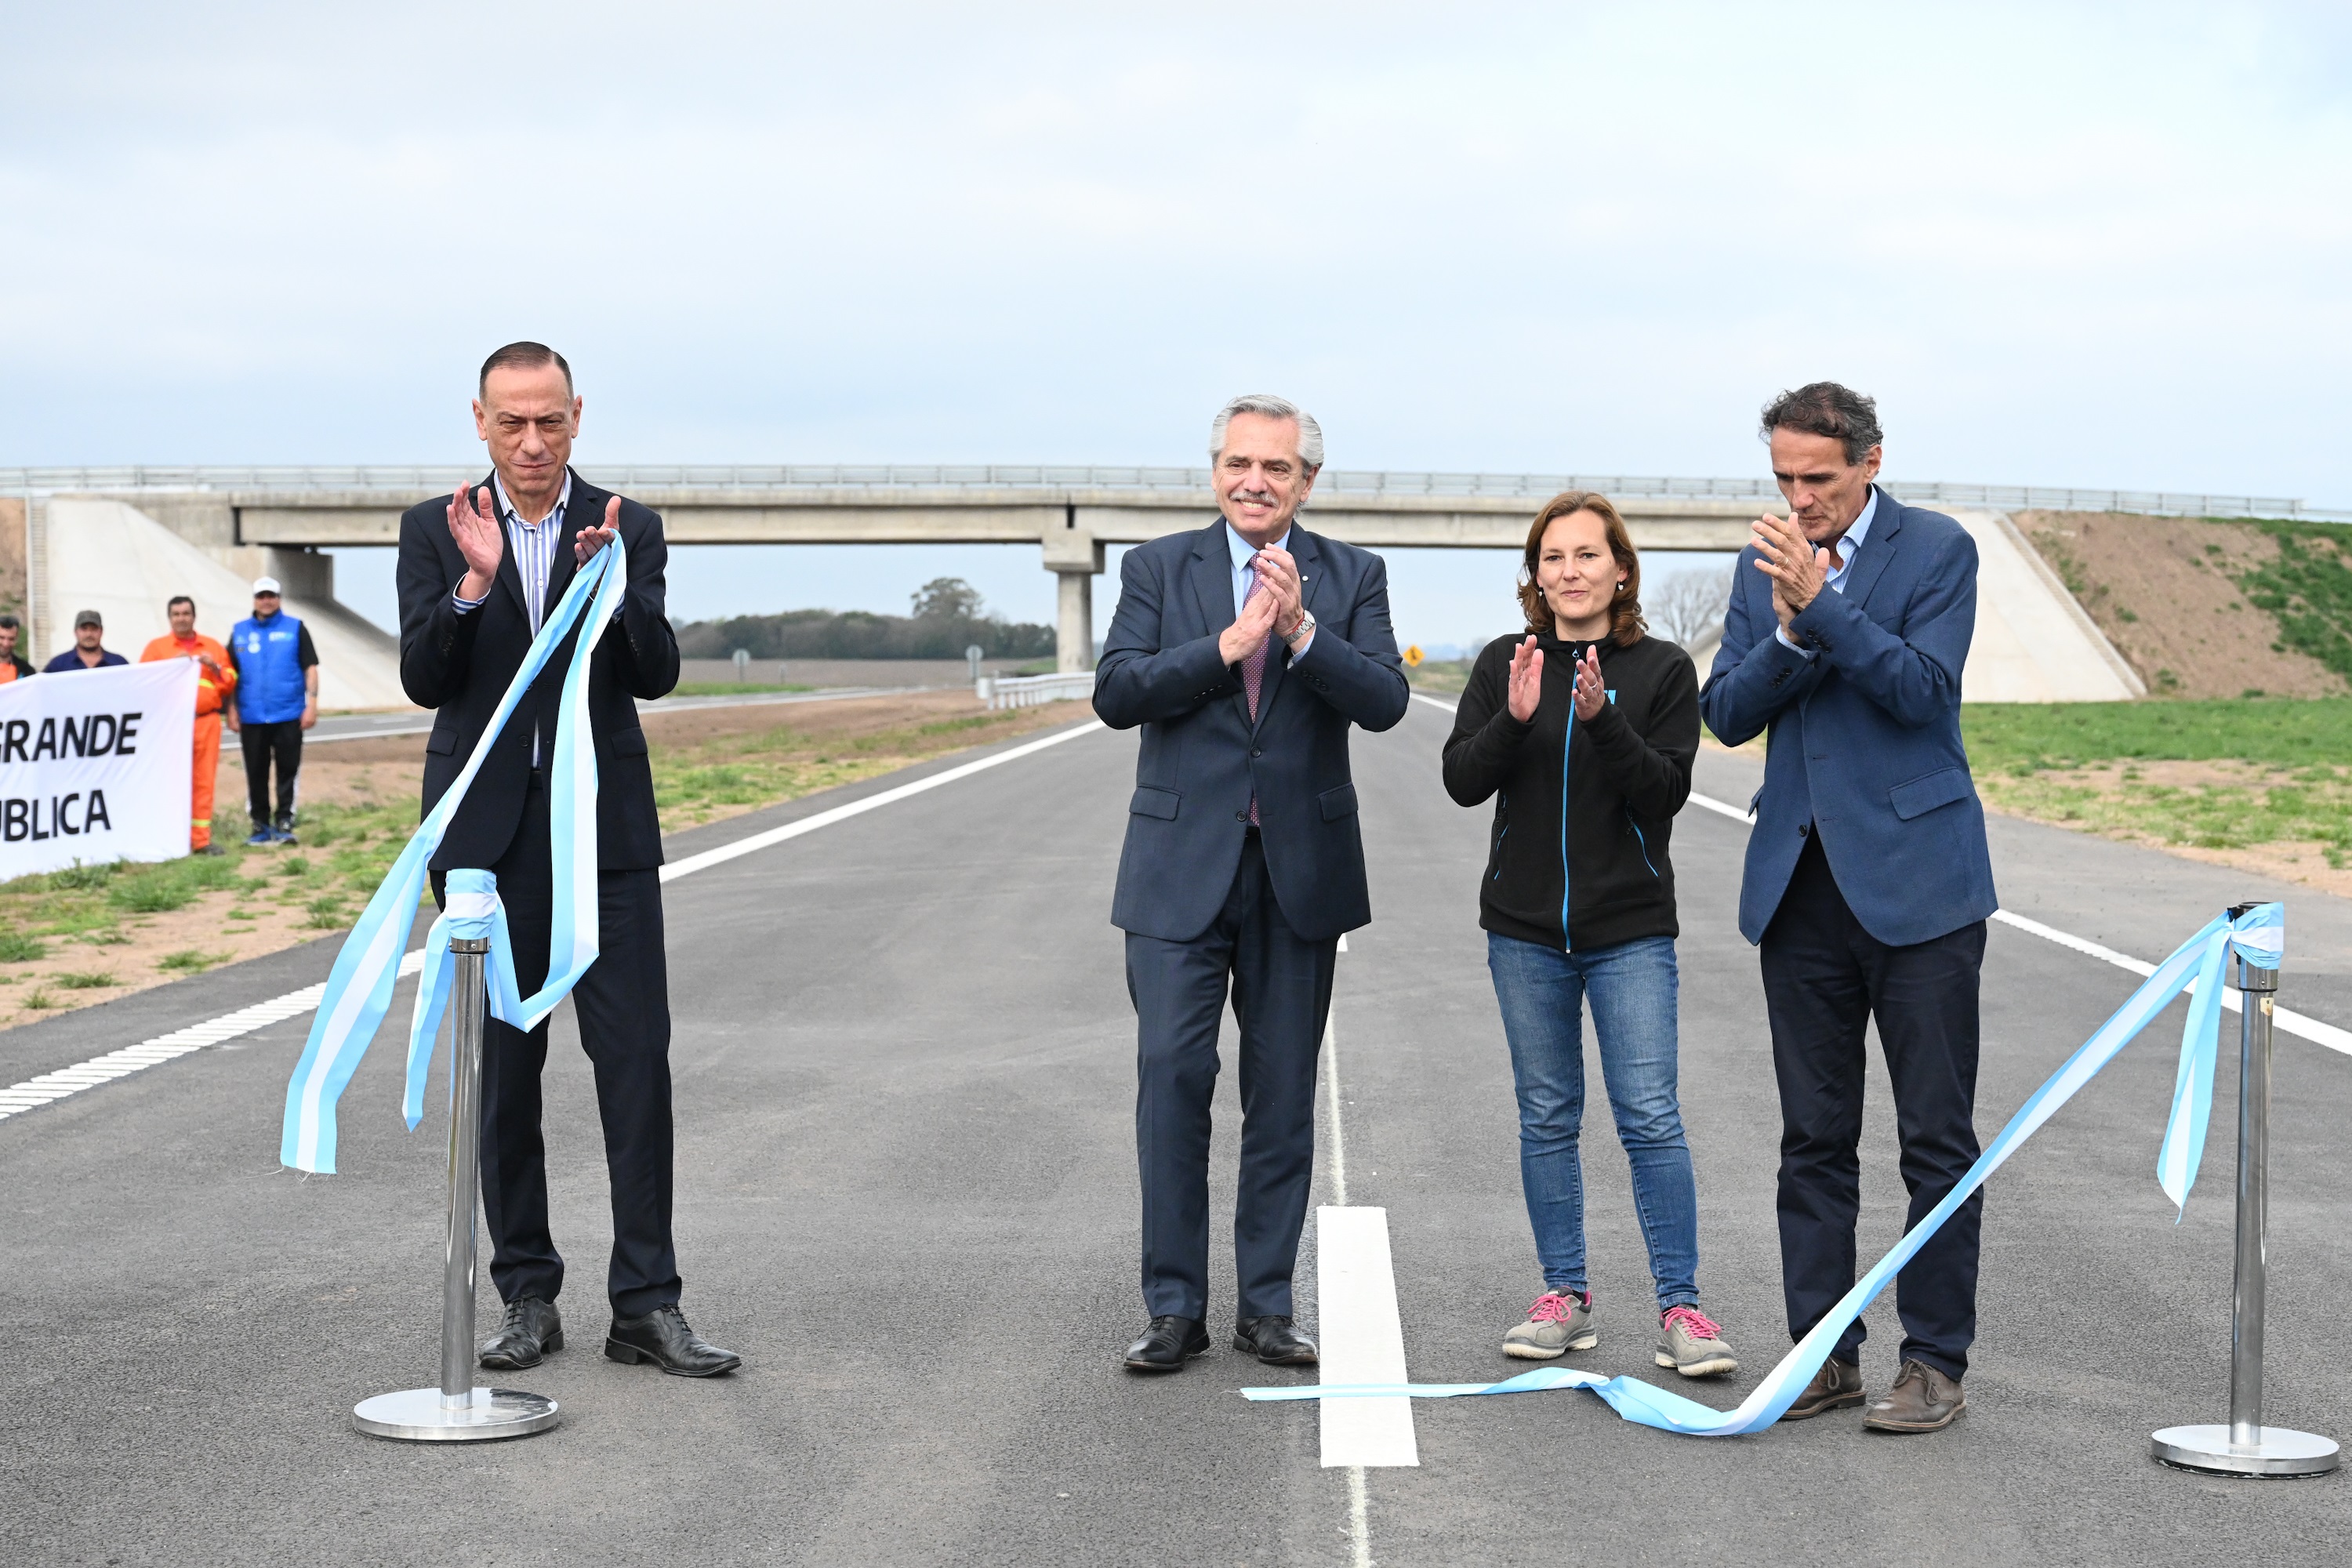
x=418 y=1416
x=2278 y=1453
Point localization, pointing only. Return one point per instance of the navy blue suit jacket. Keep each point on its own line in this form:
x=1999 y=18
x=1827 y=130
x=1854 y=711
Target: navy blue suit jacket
x=1201 y=760
x=1865 y=736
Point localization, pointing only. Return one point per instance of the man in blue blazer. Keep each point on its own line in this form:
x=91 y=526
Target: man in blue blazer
x=1244 y=651
x=1868 y=880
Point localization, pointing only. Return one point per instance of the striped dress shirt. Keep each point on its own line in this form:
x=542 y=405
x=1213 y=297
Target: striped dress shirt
x=534 y=545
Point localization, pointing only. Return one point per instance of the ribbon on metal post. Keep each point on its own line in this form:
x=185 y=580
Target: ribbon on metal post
x=358 y=988
x=470 y=910
x=2196 y=966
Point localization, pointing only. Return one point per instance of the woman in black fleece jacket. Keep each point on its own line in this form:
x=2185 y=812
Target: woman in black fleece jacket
x=1583 y=732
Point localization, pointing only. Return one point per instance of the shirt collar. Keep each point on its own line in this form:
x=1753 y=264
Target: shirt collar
x=1242 y=548
x=507 y=510
x=1860 y=531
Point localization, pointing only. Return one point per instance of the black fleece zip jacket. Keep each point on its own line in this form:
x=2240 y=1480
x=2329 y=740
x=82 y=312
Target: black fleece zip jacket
x=1616 y=782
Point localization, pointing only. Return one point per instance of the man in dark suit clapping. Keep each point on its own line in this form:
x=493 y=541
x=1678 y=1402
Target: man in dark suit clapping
x=1245 y=650
x=480 y=571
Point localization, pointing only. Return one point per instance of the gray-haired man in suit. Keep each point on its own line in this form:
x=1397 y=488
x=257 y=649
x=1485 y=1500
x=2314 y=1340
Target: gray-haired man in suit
x=1245 y=650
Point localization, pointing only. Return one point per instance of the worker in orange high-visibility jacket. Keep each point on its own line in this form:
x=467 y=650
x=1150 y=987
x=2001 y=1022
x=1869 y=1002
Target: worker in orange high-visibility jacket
x=215 y=678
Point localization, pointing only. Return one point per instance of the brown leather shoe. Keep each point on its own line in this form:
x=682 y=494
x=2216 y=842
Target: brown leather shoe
x=1836 y=1386
x=1922 y=1400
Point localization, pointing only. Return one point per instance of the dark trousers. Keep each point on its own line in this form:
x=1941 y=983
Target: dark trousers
x=622 y=1004
x=1281 y=995
x=263 y=743
x=1823 y=977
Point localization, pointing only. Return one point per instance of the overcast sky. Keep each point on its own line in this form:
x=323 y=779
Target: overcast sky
x=2099 y=246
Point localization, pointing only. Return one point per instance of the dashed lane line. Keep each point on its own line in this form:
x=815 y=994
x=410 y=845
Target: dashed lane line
x=2300 y=1025
x=51 y=1087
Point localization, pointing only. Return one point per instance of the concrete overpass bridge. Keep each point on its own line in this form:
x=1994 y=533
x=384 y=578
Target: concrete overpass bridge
x=280 y=520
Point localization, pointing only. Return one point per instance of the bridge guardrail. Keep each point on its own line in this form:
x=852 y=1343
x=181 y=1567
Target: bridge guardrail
x=421 y=480
x=998 y=692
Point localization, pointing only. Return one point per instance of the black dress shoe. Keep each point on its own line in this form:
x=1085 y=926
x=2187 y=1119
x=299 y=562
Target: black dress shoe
x=1274 y=1341
x=532 y=1327
x=662 y=1338
x=1168 y=1344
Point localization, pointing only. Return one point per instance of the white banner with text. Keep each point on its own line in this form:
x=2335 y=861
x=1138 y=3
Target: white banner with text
x=95 y=765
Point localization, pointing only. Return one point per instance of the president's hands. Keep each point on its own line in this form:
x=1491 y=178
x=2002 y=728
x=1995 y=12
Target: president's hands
x=1798 y=570
x=1527 y=679
x=589 y=540
x=1278 y=573
x=474 y=524
x=1249 y=630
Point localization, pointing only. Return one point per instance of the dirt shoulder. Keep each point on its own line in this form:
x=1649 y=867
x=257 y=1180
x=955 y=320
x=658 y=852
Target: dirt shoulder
x=2164 y=591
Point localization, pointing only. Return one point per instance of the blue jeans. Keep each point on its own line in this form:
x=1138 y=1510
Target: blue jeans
x=1632 y=988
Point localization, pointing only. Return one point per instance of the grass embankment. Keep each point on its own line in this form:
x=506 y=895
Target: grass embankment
x=2307 y=589
x=1440 y=676
x=726 y=776
x=728 y=688
x=72 y=938
x=2266 y=783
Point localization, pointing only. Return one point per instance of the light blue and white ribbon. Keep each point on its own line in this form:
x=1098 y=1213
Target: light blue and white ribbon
x=470 y=910
x=2260 y=935
x=358 y=988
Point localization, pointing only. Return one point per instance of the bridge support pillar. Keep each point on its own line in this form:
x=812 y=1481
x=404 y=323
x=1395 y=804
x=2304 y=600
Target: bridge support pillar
x=1073 y=554
x=1074 y=628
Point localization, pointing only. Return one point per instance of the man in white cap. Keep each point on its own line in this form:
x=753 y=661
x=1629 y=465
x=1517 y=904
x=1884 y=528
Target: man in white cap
x=277 y=700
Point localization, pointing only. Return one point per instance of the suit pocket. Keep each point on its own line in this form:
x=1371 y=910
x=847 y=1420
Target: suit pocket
x=629 y=743
x=1338 y=803
x=1924 y=794
x=1152 y=801
x=441 y=743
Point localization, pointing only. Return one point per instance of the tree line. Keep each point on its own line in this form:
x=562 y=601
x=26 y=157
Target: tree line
x=946 y=616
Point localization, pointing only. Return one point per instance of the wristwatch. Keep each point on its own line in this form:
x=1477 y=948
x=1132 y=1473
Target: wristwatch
x=1306 y=624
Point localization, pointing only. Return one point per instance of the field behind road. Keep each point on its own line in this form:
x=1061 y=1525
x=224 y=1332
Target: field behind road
x=904 y=1059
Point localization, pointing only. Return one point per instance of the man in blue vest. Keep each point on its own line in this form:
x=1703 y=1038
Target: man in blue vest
x=277 y=700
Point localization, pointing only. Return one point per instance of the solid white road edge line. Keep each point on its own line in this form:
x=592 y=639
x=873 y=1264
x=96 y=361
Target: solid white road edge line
x=2286 y=1018
x=54 y=1086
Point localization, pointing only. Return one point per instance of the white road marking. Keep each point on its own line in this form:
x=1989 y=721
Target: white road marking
x=726 y=852
x=2301 y=1025
x=2286 y=1018
x=1363 y=1339
x=55 y=1086
x=1363 y=1334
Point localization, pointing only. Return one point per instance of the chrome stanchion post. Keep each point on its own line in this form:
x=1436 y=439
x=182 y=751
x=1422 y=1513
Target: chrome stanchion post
x=459 y=1410
x=457 y=1257
x=2245 y=1446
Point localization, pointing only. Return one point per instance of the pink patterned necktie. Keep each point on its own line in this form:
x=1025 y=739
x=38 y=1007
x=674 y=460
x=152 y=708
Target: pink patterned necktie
x=1253 y=674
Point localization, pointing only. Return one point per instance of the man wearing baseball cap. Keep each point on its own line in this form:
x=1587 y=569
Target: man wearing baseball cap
x=277 y=700
x=87 y=652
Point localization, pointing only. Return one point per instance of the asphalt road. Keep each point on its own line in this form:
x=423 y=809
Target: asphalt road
x=906 y=1191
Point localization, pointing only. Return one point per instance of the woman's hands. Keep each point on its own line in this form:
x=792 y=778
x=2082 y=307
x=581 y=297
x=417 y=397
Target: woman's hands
x=1590 y=695
x=1527 y=680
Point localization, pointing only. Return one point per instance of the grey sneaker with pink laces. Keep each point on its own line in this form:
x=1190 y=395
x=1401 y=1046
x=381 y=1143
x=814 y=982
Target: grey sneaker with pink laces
x=1690 y=1342
x=1560 y=1322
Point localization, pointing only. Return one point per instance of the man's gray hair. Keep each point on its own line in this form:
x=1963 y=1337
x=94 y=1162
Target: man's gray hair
x=1310 y=434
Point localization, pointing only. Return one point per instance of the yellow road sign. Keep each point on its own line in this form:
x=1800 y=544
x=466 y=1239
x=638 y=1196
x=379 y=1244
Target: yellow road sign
x=1412 y=656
